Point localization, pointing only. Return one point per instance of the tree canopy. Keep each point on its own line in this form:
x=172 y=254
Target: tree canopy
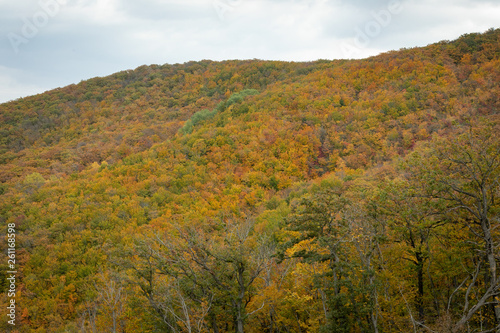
x=261 y=196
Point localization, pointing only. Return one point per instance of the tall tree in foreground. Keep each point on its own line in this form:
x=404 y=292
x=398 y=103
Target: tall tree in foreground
x=465 y=173
x=202 y=278
x=333 y=231
x=411 y=223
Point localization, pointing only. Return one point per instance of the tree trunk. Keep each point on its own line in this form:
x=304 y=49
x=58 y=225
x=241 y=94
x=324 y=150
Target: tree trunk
x=239 y=302
x=492 y=264
x=215 y=328
x=420 y=285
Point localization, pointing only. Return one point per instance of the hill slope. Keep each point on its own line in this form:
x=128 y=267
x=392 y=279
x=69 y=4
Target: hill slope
x=175 y=197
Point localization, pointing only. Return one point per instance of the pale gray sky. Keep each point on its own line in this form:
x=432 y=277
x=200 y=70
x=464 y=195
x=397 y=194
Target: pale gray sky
x=45 y=44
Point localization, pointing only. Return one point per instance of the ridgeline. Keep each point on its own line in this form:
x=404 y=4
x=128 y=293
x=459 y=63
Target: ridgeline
x=259 y=196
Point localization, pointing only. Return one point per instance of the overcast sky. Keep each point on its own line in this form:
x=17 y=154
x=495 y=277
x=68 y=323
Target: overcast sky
x=45 y=44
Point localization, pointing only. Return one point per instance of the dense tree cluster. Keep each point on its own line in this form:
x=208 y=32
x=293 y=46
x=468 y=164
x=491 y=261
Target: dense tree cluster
x=261 y=196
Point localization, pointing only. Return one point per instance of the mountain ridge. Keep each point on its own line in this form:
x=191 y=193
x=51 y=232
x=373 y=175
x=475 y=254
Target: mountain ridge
x=230 y=158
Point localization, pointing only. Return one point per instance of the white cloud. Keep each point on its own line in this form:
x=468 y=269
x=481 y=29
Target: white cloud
x=94 y=13
x=90 y=38
x=11 y=88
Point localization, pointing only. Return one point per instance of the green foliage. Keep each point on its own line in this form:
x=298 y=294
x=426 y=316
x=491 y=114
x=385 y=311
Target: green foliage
x=196 y=119
x=203 y=115
x=239 y=96
x=261 y=196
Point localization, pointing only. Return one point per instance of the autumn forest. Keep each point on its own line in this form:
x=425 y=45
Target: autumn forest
x=260 y=196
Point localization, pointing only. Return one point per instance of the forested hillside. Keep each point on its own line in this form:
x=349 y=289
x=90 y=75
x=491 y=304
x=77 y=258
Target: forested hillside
x=260 y=196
